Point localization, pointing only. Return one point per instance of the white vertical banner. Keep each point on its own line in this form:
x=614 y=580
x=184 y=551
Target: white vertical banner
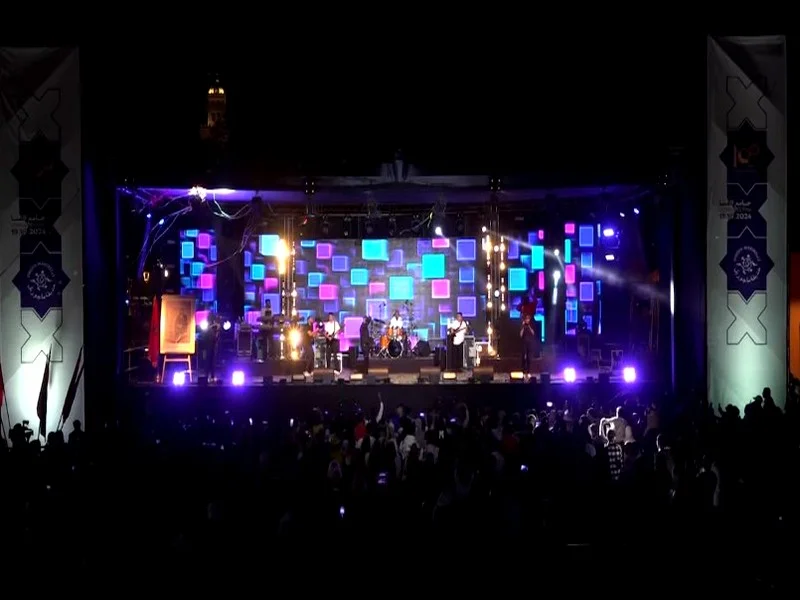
x=41 y=230
x=746 y=311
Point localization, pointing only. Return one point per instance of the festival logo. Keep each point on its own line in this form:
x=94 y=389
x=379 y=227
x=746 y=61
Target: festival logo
x=40 y=281
x=747 y=264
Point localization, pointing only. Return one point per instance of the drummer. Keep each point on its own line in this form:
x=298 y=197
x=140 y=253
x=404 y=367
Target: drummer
x=395 y=324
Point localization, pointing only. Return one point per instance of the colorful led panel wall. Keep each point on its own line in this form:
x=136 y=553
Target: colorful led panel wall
x=525 y=273
x=198 y=250
x=582 y=289
x=352 y=278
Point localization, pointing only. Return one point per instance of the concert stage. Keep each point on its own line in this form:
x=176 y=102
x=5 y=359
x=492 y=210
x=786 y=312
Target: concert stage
x=294 y=395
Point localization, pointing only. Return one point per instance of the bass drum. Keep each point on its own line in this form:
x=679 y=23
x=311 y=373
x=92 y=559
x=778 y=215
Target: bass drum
x=384 y=342
x=395 y=349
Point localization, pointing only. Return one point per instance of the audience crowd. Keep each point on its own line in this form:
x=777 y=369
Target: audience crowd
x=605 y=485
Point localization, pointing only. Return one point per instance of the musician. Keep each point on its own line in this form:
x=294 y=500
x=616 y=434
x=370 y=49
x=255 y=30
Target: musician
x=266 y=330
x=528 y=305
x=211 y=342
x=365 y=341
x=309 y=334
x=395 y=323
x=332 y=330
x=531 y=344
x=456 y=333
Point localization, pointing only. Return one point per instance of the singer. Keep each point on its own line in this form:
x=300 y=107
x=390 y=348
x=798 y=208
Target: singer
x=332 y=330
x=530 y=343
x=456 y=334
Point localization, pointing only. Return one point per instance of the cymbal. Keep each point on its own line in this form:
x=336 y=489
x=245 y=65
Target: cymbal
x=378 y=321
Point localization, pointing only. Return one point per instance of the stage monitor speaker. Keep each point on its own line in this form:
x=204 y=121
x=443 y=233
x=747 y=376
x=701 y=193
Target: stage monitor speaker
x=430 y=374
x=323 y=376
x=376 y=374
x=352 y=357
x=483 y=374
x=544 y=378
x=604 y=377
x=423 y=349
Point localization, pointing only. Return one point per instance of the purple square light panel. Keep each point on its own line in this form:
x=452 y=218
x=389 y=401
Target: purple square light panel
x=206 y=281
x=377 y=308
x=270 y=283
x=440 y=289
x=352 y=327
x=203 y=241
x=396 y=259
x=324 y=251
x=541 y=234
x=569 y=228
x=328 y=291
x=445 y=308
x=424 y=247
x=586 y=291
x=468 y=306
x=440 y=243
x=466 y=250
x=376 y=288
x=340 y=264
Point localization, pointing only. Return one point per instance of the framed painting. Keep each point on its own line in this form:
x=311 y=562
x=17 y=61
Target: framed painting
x=177 y=324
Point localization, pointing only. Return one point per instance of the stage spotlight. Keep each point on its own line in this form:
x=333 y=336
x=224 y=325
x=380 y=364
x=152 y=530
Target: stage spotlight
x=438 y=231
x=226 y=325
x=610 y=257
x=517 y=376
x=237 y=378
x=570 y=375
x=203 y=325
x=629 y=374
x=636 y=211
x=179 y=378
x=622 y=214
x=608 y=232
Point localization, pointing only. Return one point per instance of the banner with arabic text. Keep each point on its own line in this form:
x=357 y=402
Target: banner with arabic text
x=746 y=230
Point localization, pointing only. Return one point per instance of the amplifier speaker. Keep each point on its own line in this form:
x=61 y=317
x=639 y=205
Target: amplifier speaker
x=483 y=374
x=423 y=349
x=323 y=376
x=544 y=378
x=376 y=374
x=430 y=374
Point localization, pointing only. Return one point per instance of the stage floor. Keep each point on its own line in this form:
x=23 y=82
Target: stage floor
x=402 y=371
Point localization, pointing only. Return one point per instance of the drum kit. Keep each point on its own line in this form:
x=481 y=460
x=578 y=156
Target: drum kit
x=390 y=342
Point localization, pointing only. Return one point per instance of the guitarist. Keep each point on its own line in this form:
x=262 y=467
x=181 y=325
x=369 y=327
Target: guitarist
x=331 y=330
x=456 y=333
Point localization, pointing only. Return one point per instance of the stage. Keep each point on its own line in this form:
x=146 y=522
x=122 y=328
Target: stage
x=291 y=395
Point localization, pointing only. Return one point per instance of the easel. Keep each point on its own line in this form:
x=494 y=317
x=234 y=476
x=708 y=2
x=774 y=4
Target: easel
x=177 y=358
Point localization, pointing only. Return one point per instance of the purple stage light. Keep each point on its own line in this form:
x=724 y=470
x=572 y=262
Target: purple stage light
x=570 y=375
x=629 y=374
x=608 y=232
x=179 y=378
x=237 y=378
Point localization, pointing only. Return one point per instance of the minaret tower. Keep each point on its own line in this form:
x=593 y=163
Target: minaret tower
x=215 y=127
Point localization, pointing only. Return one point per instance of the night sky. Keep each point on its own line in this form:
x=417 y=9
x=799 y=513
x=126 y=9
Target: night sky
x=569 y=110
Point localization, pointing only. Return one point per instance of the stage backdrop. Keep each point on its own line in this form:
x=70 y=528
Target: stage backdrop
x=41 y=275
x=746 y=266
x=437 y=277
